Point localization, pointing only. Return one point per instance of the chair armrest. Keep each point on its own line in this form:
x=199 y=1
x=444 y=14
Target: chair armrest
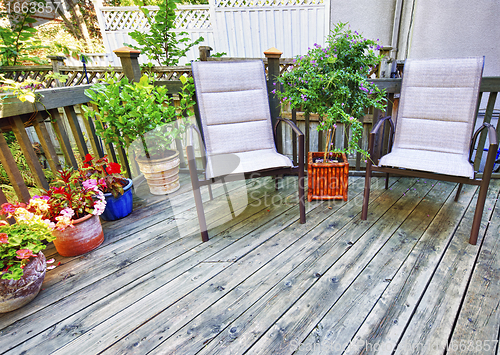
x=492 y=150
x=300 y=137
x=380 y=122
x=371 y=139
x=290 y=123
x=190 y=145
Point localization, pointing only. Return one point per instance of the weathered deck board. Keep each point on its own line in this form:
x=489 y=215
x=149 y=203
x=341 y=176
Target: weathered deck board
x=348 y=313
x=404 y=280
x=479 y=319
x=149 y=245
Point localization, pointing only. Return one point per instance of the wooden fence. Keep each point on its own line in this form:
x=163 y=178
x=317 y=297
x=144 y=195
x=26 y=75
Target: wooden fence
x=58 y=109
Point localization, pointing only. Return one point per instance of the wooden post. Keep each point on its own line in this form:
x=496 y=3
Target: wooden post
x=10 y=166
x=57 y=62
x=273 y=72
x=46 y=142
x=130 y=63
x=204 y=52
x=31 y=159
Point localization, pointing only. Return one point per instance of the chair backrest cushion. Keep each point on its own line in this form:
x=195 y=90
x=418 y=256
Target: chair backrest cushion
x=438 y=104
x=234 y=106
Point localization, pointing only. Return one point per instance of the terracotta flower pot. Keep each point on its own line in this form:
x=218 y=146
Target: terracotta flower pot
x=327 y=181
x=162 y=175
x=16 y=293
x=86 y=235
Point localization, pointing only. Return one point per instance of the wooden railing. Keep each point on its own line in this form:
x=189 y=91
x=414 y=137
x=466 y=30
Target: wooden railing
x=59 y=126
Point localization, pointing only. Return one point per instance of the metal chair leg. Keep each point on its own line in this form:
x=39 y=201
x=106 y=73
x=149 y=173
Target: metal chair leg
x=197 y=195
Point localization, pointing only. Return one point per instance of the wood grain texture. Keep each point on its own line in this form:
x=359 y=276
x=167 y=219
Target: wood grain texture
x=265 y=283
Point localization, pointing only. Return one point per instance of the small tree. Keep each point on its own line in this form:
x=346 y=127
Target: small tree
x=139 y=111
x=160 y=43
x=333 y=82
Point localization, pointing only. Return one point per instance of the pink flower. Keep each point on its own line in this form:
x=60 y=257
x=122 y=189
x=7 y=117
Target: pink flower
x=99 y=207
x=68 y=212
x=24 y=254
x=90 y=184
x=4 y=238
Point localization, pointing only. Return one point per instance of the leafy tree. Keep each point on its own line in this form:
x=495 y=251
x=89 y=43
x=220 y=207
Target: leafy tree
x=19 y=40
x=160 y=43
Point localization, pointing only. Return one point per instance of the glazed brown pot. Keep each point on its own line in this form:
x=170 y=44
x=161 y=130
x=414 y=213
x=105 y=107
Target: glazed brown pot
x=16 y=293
x=86 y=235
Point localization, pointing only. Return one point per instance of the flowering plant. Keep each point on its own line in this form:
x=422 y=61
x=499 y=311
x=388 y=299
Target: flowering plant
x=72 y=196
x=101 y=169
x=23 y=239
x=333 y=82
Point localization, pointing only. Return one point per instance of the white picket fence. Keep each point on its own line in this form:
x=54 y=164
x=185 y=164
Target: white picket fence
x=240 y=28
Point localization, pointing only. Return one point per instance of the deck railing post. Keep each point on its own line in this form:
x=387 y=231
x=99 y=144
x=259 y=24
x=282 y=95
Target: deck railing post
x=273 y=56
x=57 y=63
x=204 y=52
x=130 y=63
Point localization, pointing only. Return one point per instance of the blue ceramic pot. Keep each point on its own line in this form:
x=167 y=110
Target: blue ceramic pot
x=120 y=207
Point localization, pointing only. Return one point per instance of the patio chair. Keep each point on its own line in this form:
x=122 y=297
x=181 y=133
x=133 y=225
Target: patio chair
x=236 y=130
x=432 y=135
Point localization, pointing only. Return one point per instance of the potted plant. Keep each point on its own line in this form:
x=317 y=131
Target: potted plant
x=22 y=263
x=142 y=118
x=333 y=82
x=74 y=204
x=117 y=188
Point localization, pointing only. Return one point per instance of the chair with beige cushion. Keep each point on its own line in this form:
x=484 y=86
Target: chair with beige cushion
x=432 y=134
x=236 y=129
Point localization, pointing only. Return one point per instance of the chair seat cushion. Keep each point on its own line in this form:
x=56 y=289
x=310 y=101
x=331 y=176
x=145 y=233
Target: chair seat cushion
x=430 y=161
x=244 y=162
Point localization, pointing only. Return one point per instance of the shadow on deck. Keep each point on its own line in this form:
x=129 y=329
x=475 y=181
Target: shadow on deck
x=405 y=280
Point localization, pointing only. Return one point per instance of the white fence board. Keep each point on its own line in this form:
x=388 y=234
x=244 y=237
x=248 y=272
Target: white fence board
x=238 y=28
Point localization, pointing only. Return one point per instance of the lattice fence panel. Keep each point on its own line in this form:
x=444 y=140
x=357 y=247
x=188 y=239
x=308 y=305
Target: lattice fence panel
x=116 y=19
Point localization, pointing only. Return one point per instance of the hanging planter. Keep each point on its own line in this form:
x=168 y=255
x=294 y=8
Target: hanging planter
x=327 y=180
x=16 y=293
x=162 y=174
x=86 y=235
x=120 y=206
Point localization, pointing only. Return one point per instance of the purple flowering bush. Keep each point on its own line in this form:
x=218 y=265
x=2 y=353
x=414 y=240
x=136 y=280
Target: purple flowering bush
x=333 y=82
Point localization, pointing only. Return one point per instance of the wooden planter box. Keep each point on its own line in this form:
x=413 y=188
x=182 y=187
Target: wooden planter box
x=327 y=181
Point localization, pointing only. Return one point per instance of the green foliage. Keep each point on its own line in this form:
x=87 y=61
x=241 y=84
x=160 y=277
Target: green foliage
x=129 y=111
x=333 y=82
x=23 y=239
x=23 y=169
x=19 y=41
x=160 y=43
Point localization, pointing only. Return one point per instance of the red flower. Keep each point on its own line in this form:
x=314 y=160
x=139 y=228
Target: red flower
x=88 y=158
x=4 y=238
x=113 y=168
x=24 y=254
x=3 y=223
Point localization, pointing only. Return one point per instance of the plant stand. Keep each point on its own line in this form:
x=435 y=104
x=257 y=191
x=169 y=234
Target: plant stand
x=327 y=181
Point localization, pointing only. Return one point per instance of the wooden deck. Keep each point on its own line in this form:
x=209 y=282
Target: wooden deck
x=406 y=280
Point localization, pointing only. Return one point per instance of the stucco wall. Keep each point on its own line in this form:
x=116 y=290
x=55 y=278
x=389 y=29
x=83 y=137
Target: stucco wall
x=454 y=28
x=372 y=18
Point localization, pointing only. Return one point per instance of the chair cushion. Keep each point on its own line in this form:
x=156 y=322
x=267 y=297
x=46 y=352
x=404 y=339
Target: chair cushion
x=234 y=106
x=244 y=162
x=436 y=115
x=427 y=160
